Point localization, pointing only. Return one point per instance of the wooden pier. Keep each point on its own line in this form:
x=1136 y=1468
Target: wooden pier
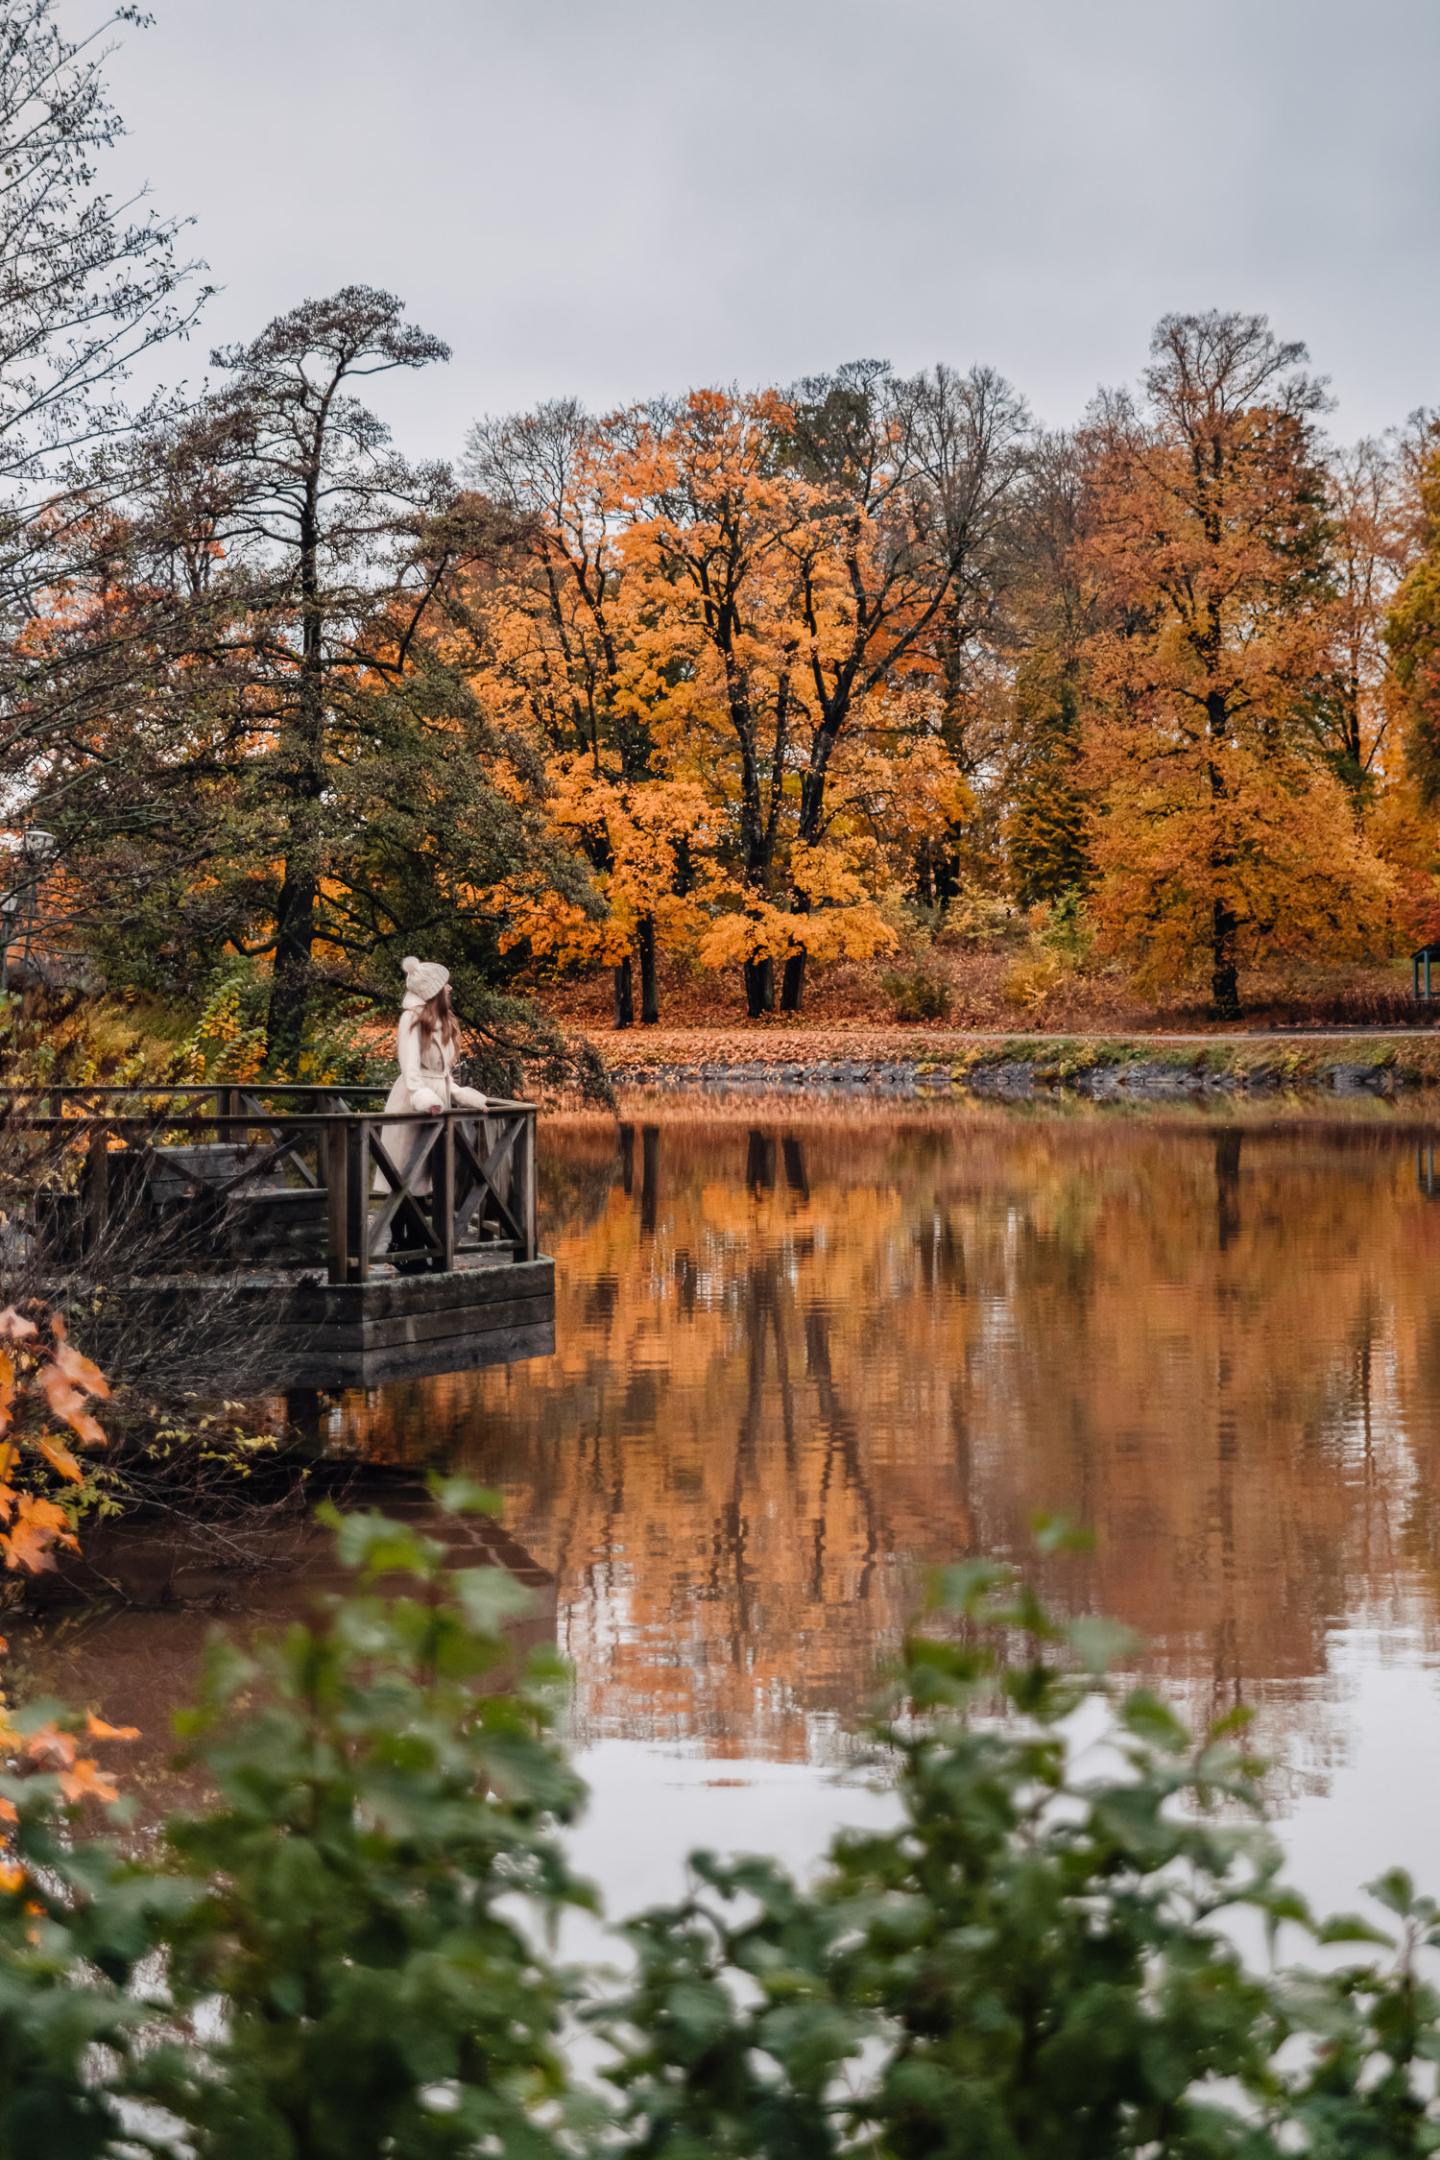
x=341 y=1245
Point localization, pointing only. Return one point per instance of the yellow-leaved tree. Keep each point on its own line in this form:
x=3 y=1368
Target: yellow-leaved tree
x=807 y=566
x=556 y=660
x=736 y=642
x=1221 y=829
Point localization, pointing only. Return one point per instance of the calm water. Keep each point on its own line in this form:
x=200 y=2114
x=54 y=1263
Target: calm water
x=803 y=1358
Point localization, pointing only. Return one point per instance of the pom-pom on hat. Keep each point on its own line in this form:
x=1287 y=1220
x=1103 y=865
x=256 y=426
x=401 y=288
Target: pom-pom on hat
x=426 y=978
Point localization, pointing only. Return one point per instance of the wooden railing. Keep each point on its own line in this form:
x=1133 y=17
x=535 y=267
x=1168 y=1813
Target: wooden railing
x=291 y=1176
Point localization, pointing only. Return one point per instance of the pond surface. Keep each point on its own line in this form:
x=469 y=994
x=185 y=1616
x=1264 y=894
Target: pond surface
x=803 y=1357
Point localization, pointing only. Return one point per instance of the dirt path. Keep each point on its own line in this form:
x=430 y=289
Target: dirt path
x=764 y=1042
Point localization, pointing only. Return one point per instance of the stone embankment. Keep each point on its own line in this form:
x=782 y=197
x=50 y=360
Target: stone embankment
x=1017 y=1070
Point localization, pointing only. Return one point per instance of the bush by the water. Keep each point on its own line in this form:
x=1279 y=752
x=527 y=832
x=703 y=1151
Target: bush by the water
x=347 y=1952
x=918 y=992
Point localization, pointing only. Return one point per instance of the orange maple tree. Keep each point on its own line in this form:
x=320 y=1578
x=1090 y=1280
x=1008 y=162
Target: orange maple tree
x=737 y=635
x=1221 y=832
x=556 y=662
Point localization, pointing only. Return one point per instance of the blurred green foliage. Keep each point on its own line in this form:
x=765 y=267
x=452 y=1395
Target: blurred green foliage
x=349 y=1950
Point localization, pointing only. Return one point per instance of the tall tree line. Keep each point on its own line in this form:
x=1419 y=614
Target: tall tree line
x=872 y=640
x=749 y=679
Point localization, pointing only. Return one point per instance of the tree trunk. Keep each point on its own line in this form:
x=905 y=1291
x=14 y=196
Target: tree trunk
x=304 y=781
x=1227 y=1188
x=759 y=987
x=290 y=983
x=649 y=989
x=1224 y=927
x=296 y=905
x=792 y=984
x=624 y=994
x=1224 y=972
x=650 y=1172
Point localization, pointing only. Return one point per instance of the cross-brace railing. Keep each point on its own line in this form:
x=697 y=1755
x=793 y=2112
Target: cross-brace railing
x=292 y=1175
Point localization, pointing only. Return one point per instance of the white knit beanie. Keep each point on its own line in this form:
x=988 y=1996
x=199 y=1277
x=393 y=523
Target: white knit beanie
x=427 y=978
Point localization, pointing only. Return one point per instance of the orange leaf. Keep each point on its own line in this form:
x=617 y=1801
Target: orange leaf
x=87 y=1779
x=24 y=1549
x=68 y=1402
x=82 y=1370
x=97 y=1729
x=39 y=1524
x=14 y=1327
x=7 y=1389
x=51 y=1748
x=60 y=1458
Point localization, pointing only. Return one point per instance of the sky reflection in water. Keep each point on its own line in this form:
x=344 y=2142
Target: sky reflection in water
x=801 y=1360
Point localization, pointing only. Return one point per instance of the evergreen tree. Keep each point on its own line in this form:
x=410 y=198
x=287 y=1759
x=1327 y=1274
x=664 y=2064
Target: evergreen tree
x=292 y=766
x=1047 y=830
x=1412 y=635
x=1053 y=611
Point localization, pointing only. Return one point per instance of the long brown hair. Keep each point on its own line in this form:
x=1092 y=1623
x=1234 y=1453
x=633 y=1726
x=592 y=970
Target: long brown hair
x=437 y=1017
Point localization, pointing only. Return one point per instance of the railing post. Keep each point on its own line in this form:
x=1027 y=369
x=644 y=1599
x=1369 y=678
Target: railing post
x=97 y=1188
x=442 y=1191
x=525 y=1184
x=359 y=1131
x=337 y=1196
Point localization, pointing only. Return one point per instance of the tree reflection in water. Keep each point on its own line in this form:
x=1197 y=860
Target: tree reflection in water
x=802 y=1358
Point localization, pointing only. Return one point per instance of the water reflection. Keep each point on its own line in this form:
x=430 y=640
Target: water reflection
x=799 y=1360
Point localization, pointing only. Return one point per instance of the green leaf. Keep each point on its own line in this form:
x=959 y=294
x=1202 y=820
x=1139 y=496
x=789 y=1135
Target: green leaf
x=1101 y=1643
x=459 y=1495
x=375 y=1546
x=491 y=1597
x=1056 y=1533
x=1396 y=1890
x=1153 y=1721
x=1350 y=1927
x=699 y=2013
x=961 y=1586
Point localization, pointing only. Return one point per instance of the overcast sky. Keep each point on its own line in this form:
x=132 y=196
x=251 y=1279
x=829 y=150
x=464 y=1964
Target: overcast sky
x=614 y=197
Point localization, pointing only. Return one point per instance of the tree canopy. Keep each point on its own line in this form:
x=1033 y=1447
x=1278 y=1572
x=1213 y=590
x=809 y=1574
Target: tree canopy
x=735 y=684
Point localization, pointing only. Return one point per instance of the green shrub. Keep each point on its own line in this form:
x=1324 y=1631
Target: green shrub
x=1034 y=978
x=344 y=1955
x=1064 y=927
x=975 y=918
x=917 y=992
x=367 y=1896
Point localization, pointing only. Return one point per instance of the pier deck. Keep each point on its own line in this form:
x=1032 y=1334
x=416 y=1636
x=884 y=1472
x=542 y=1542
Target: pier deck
x=324 y=1242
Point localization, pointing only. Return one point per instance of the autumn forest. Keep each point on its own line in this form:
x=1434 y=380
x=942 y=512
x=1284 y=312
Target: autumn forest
x=726 y=701
x=748 y=681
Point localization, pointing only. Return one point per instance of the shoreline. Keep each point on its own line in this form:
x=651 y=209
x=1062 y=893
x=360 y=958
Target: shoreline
x=907 y=1067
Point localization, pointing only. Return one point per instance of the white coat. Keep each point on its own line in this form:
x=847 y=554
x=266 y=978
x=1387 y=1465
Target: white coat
x=424 y=1083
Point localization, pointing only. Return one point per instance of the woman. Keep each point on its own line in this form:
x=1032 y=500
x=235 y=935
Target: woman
x=426 y=1044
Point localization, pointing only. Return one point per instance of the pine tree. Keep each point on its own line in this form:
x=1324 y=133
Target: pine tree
x=1412 y=635
x=1047 y=832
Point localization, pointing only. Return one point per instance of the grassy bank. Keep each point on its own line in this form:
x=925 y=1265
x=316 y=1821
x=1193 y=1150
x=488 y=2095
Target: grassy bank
x=939 y=1062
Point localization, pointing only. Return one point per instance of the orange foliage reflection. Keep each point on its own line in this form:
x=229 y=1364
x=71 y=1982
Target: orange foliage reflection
x=798 y=1361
